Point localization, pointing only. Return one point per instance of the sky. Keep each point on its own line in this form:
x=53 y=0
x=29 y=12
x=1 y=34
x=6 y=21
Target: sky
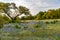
x=36 y=5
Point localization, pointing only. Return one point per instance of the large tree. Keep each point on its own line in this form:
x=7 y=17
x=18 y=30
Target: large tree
x=12 y=11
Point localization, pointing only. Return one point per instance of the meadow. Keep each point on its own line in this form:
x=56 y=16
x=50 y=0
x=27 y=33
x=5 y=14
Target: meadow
x=31 y=30
x=18 y=23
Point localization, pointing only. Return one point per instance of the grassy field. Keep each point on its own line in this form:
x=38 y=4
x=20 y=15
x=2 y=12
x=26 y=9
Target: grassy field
x=33 y=30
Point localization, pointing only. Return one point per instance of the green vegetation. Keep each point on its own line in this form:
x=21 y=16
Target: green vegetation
x=4 y=8
x=36 y=32
x=50 y=14
x=16 y=26
x=1 y=26
x=47 y=22
x=37 y=26
x=29 y=31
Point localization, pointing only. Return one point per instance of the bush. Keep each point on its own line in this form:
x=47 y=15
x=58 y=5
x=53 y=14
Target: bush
x=47 y=22
x=53 y=22
x=16 y=26
x=1 y=25
x=56 y=21
x=37 y=25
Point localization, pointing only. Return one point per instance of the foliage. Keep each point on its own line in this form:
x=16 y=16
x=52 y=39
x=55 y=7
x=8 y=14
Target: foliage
x=5 y=8
x=27 y=17
x=39 y=15
x=52 y=22
x=47 y=22
x=50 y=14
x=16 y=26
x=37 y=26
x=1 y=25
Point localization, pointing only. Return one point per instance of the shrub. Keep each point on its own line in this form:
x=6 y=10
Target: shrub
x=25 y=27
x=36 y=25
x=1 y=25
x=56 y=21
x=52 y=22
x=16 y=26
x=47 y=22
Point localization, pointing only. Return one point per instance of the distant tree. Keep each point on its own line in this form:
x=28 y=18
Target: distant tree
x=51 y=14
x=39 y=15
x=58 y=13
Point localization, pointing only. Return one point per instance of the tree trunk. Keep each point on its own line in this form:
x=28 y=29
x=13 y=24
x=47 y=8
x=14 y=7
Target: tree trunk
x=13 y=19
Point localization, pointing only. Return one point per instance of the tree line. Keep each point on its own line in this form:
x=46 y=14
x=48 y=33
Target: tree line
x=50 y=14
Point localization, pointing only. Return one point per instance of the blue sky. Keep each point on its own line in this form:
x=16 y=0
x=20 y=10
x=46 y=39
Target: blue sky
x=36 y=5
